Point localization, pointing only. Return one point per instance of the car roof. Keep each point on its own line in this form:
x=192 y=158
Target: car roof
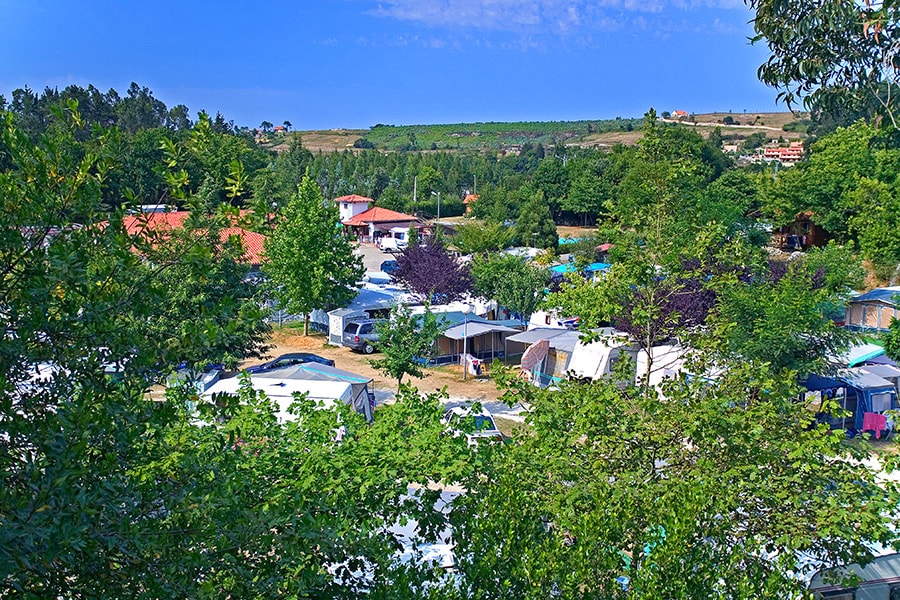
x=467 y=411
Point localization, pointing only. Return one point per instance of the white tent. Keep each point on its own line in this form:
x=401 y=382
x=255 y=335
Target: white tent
x=282 y=391
x=596 y=359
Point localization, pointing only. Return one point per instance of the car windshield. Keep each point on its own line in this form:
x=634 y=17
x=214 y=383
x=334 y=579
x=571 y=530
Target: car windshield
x=483 y=423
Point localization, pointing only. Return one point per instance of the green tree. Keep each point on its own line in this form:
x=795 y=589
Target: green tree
x=615 y=493
x=212 y=313
x=483 y=236
x=831 y=57
x=310 y=265
x=588 y=194
x=552 y=178
x=514 y=284
x=407 y=342
x=783 y=315
x=105 y=491
x=535 y=227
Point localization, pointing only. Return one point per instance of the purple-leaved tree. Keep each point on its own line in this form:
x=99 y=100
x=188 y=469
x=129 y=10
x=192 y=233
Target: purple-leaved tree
x=433 y=273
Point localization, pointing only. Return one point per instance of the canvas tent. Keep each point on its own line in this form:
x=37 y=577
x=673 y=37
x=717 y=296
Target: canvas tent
x=361 y=396
x=482 y=338
x=856 y=391
x=873 y=310
x=553 y=366
x=320 y=382
x=878 y=580
x=282 y=391
x=889 y=372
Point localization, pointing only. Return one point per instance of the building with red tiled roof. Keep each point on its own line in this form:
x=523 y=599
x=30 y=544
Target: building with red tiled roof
x=377 y=222
x=352 y=205
x=468 y=200
x=786 y=156
x=161 y=222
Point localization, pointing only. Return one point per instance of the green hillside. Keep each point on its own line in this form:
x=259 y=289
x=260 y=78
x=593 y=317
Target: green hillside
x=502 y=136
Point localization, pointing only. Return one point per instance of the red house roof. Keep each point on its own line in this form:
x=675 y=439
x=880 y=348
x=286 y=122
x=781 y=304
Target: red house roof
x=377 y=214
x=470 y=198
x=353 y=198
x=166 y=221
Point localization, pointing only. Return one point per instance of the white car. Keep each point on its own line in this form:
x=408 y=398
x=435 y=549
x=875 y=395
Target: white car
x=391 y=244
x=476 y=426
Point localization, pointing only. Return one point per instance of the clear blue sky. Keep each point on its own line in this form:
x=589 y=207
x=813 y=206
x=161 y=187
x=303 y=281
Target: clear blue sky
x=354 y=63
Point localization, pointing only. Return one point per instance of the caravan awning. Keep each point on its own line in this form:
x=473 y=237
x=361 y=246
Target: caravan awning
x=533 y=335
x=474 y=329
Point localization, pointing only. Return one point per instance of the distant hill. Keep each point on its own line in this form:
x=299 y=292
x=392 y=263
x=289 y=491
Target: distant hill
x=511 y=136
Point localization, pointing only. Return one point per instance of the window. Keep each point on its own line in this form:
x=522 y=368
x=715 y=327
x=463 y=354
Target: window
x=840 y=595
x=365 y=329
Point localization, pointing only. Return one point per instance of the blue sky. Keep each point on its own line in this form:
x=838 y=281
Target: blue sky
x=354 y=63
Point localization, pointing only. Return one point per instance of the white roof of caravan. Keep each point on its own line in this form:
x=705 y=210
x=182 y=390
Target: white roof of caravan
x=282 y=391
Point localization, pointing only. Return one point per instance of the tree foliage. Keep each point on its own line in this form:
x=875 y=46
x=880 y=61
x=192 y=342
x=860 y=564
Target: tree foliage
x=613 y=493
x=407 y=342
x=836 y=57
x=430 y=271
x=481 y=237
x=535 y=227
x=514 y=284
x=310 y=265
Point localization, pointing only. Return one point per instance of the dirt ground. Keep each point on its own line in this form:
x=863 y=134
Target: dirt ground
x=287 y=339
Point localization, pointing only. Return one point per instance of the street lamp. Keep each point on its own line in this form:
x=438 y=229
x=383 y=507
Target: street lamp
x=438 y=194
x=466 y=309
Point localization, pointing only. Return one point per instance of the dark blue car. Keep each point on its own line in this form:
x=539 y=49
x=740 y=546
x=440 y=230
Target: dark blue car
x=390 y=267
x=289 y=360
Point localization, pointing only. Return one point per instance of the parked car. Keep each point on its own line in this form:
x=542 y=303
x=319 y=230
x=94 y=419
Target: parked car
x=476 y=426
x=289 y=360
x=390 y=244
x=361 y=335
x=390 y=267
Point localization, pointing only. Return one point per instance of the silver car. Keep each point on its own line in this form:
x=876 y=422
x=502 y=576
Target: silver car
x=361 y=336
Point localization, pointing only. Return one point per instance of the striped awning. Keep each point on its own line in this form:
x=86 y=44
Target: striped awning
x=535 y=354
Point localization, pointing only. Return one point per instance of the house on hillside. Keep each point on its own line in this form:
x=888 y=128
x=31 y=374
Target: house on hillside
x=159 y=223
x=371 y=225
x=787 y=156
x=352 y=205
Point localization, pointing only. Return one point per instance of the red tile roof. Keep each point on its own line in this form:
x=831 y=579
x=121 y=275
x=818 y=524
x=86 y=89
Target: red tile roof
x=377 y=214
x=353 y=198
x=470 y=198
x=166 y=221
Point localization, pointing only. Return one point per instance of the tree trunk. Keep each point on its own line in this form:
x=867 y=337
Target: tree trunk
x=306 y=324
